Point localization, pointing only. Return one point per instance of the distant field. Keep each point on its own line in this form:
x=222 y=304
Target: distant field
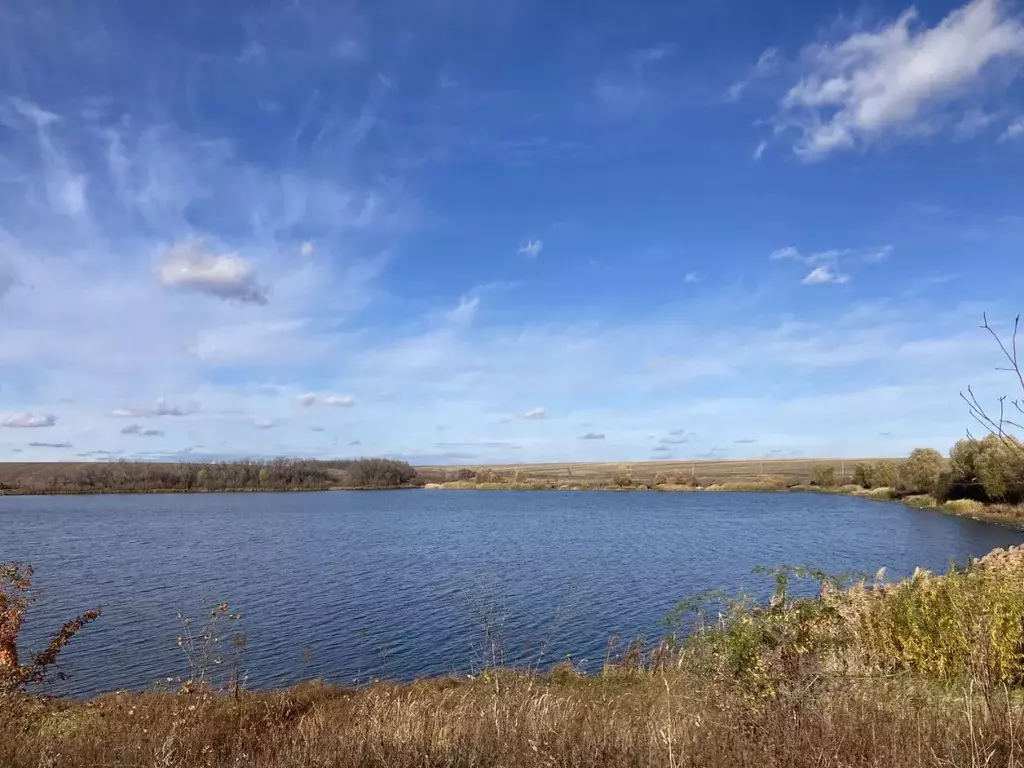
x=707 y=472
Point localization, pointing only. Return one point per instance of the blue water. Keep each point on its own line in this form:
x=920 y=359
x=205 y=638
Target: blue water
x=400 y=584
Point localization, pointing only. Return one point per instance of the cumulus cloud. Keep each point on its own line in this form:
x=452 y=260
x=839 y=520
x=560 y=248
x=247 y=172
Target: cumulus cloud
x=28 y=420
x=307 y=248
x=340 y=401
x=592 y=436
x=162 y=408
x=49 y=445
x=306 y=400
x=825 y=274
x=264 y=423
x=531 y=248
x=536 y=413
x=898 y=79
x=188 y=266
x=135 y=429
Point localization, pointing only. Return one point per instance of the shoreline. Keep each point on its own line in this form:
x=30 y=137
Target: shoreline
x=998 y=514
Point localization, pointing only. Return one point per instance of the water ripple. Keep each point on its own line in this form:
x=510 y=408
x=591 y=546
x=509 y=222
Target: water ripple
x=349 y=585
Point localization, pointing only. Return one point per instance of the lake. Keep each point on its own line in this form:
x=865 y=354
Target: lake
x=350 y=585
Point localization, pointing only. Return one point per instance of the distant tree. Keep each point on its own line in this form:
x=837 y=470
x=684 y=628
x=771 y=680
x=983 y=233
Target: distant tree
x=379 y=473
x=922 y=471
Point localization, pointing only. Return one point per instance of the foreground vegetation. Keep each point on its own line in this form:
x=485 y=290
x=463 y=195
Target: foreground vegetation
x=244 y=475
x=926 y=671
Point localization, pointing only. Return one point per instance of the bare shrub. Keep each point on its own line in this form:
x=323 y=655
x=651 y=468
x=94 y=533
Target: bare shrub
x=15 y=600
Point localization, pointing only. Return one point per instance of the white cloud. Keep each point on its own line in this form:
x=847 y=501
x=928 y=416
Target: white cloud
x=824 y=274
x=340 y=401
x=788 y=252
x=228 y=276
x=766 y=64
x=896 y=80
x=307 y=248
x=464 y=312
x=531 y=248
x=827 y=262
x=162 y=408
x=1014 y=130
x=536 y=414
x=264 y=423
x=759 y=149
x=306 y=400
x=592 y=436
x=50 y=445
x=691 y=277
x=28 y=420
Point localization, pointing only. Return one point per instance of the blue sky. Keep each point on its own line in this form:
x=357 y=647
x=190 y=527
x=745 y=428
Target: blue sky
x=467 y=232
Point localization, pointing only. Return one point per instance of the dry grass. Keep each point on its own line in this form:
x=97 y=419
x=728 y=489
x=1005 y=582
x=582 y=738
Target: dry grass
x=516 y=720
x=787 y=472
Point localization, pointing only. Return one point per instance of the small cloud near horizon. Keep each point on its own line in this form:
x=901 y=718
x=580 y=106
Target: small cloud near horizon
x=592 y=436
x=135 y=429
x=535 y=414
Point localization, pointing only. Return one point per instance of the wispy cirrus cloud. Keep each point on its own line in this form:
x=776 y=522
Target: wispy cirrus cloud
x=59 y=446
x=162 y=408
x=340 y=401
x=902 y=79
x=826 y=264
x=767 y=64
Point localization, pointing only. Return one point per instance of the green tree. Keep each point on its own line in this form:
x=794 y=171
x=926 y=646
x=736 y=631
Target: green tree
x=921 y=472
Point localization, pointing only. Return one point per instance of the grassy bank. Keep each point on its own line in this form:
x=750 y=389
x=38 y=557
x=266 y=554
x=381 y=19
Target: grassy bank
x=926 y=671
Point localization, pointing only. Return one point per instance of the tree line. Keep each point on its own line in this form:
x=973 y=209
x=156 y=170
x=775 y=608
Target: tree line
x=281 y=474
